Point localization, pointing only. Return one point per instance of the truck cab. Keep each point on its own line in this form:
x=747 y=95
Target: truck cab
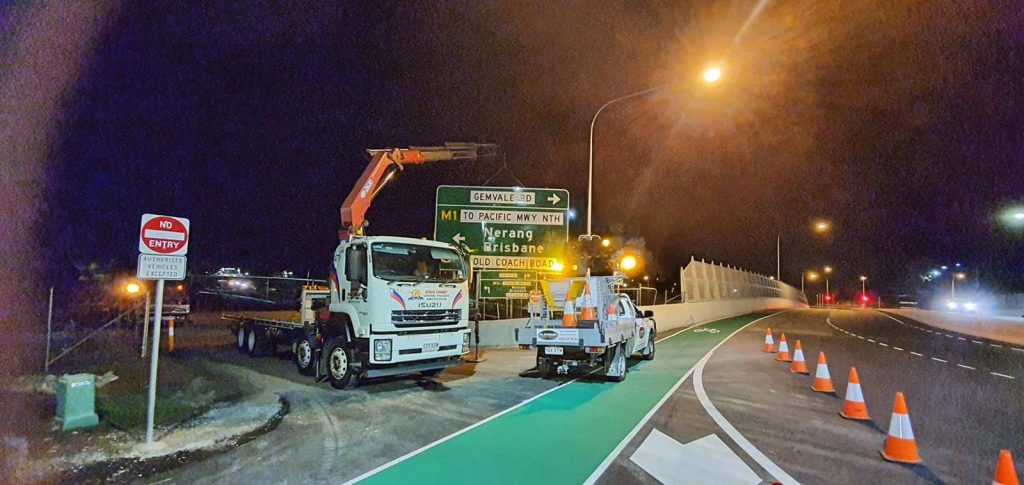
x=396 y=306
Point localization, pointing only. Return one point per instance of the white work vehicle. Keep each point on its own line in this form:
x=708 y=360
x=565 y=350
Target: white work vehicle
x=395 y=305
x=576 y=330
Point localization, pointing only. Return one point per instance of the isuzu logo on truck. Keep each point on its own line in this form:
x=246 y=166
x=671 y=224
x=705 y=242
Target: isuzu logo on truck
x=547 y=335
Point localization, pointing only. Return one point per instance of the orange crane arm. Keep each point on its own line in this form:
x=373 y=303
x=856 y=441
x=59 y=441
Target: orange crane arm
x=384 y=163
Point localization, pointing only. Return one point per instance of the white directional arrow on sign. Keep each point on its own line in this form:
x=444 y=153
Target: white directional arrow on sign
x=458 y=238
x=554 y=198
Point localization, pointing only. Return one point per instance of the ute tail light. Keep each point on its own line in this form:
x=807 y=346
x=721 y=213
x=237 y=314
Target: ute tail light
x=595 y=350
x=524 y=347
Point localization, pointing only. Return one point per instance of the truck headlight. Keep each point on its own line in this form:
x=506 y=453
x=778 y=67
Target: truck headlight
x=382 y=350
x=465 y=342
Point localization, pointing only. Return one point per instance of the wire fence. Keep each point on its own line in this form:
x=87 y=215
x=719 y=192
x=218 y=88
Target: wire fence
x=703 y=281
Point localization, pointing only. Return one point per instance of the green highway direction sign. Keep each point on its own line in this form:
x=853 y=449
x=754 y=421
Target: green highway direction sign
x=507 y=284
x=511 y=228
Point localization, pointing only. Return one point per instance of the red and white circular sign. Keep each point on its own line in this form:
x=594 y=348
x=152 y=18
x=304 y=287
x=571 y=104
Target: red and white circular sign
x=163 y=235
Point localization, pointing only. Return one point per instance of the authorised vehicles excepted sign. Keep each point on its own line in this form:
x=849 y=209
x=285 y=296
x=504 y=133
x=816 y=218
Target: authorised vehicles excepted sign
x=164 y=235
x=505 y=227
x=159 y=267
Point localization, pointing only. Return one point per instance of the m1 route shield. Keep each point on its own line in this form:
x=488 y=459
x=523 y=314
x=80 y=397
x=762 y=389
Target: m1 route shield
x=509 y=228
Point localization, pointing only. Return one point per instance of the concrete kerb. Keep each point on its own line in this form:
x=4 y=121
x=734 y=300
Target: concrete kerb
x=501 y=333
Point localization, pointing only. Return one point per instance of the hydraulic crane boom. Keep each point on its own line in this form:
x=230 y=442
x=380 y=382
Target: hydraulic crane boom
x=384 y=163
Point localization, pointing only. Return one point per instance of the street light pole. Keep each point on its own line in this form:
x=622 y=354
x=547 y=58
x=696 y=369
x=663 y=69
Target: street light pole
x=778 y=261
x=590 y=161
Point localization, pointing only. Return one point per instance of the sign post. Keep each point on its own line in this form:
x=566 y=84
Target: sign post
x=163 y=244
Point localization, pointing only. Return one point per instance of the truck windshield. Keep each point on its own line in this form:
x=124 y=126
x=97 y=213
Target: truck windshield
x=409 y=262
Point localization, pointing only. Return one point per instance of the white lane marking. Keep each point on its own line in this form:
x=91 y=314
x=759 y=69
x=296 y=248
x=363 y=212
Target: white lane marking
x=704 y=460
x=996 y=345
x=966 y=367
x=897 y=348
x=940 y=360
x=1001 y=375
x=650 y=414
x=862 y=338
x=917 y=354
x=495 y=416
x=960 y=338
x=872 y=341
x=883 y=344
x=702 y=396
x=948 y=335
x=1018 y=350
x=979 y=342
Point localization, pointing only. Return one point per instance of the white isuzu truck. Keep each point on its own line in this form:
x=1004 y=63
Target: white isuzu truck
x=582 y=324
x=394 y=305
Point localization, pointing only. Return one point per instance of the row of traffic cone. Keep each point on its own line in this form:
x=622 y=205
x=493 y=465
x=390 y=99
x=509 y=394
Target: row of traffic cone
x=900 y=446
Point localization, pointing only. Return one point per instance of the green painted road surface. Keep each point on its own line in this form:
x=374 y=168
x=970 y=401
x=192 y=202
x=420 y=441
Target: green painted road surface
x=563 y=436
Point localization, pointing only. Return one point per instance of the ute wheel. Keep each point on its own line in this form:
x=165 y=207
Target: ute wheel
x=649 y=350
x=304 y=355
x=615 y=363
x=240 y=340
x=340 y=364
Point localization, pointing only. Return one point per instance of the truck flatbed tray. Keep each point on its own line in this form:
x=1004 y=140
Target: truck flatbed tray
x=280 y=318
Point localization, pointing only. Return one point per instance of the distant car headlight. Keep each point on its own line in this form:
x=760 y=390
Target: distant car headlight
x=465 y=342
x=952 y=305
x=970 y=306
x=382 y=350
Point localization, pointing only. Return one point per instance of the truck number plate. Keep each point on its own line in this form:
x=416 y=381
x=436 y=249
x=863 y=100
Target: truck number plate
x=551 y=350
x=430 y=347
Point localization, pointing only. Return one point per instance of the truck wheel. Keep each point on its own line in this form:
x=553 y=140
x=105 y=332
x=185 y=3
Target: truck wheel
x=240 y=341
x=256 y=342
x=304 y=360
x=340 y=365
x=649 y=350
x=615 y=367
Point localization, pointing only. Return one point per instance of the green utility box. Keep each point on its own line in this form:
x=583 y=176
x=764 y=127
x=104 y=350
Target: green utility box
x=76 y=401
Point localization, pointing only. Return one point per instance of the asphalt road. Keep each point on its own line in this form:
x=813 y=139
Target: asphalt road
x=964 y=397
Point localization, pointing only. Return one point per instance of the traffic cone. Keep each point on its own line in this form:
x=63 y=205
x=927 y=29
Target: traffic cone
x=900 y=446
x=783 y=350
x=1005 y=474
x=799 y=365
x=822 y=380
x=769 y=342
x=589 y=311
x=854 y=406
x=568 y=314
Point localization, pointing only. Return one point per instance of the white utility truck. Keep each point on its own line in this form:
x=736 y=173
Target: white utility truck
x=395 y=305
x=582 y=324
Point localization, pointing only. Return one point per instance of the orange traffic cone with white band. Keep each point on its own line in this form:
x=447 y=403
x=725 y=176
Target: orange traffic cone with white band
x=854 y=406
x=589 y=311
x=799 y=365
x=822 y=380
x=769 y=342
x=1005 y=474
x=783 y=350
x=900 y=446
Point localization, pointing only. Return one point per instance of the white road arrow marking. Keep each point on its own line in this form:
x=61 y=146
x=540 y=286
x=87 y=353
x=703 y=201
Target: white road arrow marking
x=706 y=460
x=554 y=198
x=458 y=237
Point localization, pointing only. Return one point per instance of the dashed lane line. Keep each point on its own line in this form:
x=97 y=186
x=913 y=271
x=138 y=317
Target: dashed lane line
x=915 y=327
x=883 y=344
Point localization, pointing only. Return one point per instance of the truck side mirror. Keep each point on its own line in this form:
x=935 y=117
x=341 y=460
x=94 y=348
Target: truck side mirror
x=355 y=265
x=648 y=313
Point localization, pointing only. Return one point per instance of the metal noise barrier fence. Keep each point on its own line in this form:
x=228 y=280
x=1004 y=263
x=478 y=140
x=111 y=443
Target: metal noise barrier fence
x=702 y=281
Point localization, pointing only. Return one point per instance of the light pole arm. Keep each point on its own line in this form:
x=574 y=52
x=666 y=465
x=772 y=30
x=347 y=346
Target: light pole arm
x=590 y=164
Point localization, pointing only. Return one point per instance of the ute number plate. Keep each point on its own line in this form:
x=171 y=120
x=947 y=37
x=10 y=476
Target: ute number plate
x=430 y=347
x=552 y=350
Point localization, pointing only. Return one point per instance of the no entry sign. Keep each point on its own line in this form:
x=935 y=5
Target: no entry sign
x=164 y=235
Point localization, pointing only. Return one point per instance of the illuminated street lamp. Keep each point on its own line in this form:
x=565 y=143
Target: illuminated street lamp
x=628 y=263
x=606 y=242
x=828 y=271
x=710 y=76
x=132 y=288
x=863 y=284
x=811 y=275
x=822 y=226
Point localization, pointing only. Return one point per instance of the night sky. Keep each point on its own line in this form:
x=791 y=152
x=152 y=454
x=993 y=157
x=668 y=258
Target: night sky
x=902 y=124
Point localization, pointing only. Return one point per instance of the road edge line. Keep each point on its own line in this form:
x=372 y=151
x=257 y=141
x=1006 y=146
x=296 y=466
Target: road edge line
x=698 y=386
x=499 y=414
x=650 y=414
